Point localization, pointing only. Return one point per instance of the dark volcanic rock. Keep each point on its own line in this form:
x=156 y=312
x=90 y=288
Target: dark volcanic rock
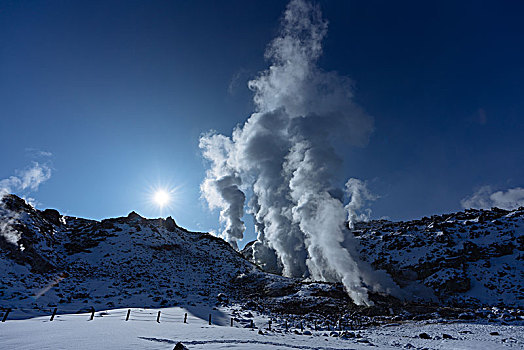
x=15 y=203
x=134 y=216
x=179 y=346
x=170 y=224
x=52 y=215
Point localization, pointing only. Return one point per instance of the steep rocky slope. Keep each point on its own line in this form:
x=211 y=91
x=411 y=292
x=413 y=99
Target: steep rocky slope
x=127 y=261
x=474 y=256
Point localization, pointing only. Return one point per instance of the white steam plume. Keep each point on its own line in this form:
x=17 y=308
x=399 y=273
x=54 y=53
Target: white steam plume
x=486 y=198
x=221 y=186
x=8 y=219
x=284 y=157
x=359 y=196
x=25 y=181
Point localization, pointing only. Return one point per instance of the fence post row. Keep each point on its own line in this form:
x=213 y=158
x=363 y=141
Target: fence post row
x=92 y=316
x=5 y=315
x=54 y=313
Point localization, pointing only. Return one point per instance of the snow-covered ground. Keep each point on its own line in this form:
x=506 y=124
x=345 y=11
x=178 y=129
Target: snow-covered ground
x=109 y=330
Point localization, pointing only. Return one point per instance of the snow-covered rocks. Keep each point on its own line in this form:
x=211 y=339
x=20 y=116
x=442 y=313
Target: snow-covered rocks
x=475 y=256
x=129 y=261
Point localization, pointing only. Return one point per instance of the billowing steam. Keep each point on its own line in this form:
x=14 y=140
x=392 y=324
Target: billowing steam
x=359 y=196
x=221 y=186
x=283 y=157
x=7 y=222
x=25 y=181
x=486 y=198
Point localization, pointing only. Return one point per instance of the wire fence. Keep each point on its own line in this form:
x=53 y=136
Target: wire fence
x=135 y=314
x=171 y=316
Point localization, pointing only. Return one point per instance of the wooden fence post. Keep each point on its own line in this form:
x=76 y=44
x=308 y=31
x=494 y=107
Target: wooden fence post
x=316 y=325
x=185 y=318
x=53 y=315
x=231 y=321
x=301 y=326
x=5 y=314
x=286 y=325
x=269 y=324
x=128 y=313
x=210 y=319
x=252 y=324
x=92 y=314
x=158 y=317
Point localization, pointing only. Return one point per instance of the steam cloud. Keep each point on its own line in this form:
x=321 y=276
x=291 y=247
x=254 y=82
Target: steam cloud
x=25 y=181
x=486 y=198
x=359 y=197
x=283 y=157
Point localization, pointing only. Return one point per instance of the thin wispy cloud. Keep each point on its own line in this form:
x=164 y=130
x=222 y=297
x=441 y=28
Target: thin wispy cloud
x=26 y=180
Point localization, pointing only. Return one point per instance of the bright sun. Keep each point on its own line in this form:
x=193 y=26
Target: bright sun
x=161 y=197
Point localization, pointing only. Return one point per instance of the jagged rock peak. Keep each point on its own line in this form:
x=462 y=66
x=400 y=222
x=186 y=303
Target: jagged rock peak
x=170 y=224
x=134 y=215
x=15 y=203
x=52 y=215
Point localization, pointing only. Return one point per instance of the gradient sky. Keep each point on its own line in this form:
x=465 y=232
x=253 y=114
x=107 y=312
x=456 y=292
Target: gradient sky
x=120 y=91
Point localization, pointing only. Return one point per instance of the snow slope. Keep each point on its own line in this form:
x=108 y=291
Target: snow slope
x=109 y=330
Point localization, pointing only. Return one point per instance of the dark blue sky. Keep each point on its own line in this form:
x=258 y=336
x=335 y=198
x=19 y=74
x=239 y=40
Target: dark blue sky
x=119 y=92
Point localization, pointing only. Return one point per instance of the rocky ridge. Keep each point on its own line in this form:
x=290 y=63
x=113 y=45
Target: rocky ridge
x=474 y=257
x=74 y=264
x=126 y=261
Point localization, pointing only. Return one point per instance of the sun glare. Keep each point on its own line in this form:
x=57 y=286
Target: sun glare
x=162 y=198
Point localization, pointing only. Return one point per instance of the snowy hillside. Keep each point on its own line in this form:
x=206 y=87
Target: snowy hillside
x=77 y=266
x=127 y=261
x=48 y=259
x=475 y=256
